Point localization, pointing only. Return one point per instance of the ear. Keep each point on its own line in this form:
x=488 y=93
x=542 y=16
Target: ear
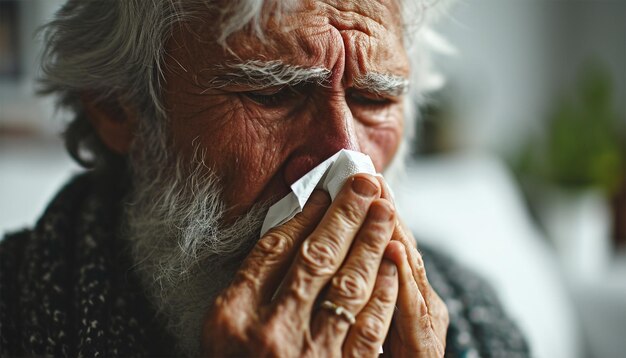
x=114 y=122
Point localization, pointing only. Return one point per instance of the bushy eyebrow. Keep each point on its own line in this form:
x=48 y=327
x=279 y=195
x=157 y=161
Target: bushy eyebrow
x=383 y=84
x=261 y=74
x=264 y=74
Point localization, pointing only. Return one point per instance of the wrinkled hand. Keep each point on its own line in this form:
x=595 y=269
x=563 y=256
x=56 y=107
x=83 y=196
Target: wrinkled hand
x=329 y=252
x=421 y=320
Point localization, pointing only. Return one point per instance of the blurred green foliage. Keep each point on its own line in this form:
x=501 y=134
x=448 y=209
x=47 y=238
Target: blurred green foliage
x=584 y=143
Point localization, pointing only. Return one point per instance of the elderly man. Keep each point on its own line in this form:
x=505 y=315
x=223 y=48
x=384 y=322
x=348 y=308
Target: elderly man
x=195 y=117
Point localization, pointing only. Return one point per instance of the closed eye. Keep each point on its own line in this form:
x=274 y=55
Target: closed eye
x=274 y=96
x=367 y=98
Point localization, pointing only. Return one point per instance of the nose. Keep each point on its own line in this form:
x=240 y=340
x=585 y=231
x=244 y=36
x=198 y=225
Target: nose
x=330 y=129
x=334 y=127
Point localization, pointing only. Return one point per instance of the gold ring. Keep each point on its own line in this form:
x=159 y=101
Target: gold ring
x=339 y=311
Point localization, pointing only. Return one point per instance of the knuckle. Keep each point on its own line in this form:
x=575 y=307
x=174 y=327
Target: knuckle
x=370 y=329
x=375 y=237
x=220 y=307
x=319 y=257
x=422 y=308
x=222 y=318
x=385 y=295
x=246 y=277
x=419 y=259
x=368 y=338
x=270 y=340
x=350 y=212
x=245 y=281
x=350 y=285
x=248 y=281
x=297 y=224
x=361 y=348
x=299 y=290
x=274 y=244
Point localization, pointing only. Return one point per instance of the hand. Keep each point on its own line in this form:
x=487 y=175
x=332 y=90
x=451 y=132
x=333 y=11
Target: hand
x=421 y=321
x=328 y=253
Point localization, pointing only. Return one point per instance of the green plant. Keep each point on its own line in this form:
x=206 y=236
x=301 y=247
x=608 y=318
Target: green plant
x=584 y=141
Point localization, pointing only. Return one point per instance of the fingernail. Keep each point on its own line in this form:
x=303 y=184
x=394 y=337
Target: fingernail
x=387 y=268
x=363 y=186
x=381 y=211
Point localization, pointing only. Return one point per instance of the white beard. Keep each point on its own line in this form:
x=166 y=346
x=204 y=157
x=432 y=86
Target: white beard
x=184 y=255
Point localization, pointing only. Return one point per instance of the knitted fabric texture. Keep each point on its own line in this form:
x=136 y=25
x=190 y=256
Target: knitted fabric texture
x=68 y=288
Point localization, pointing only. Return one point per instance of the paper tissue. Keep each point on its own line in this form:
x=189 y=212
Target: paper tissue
x=330 y=176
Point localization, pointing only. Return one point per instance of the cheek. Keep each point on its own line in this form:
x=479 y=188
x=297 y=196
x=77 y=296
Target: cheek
x=237 y=145
x=381 y=141
x=381 y=144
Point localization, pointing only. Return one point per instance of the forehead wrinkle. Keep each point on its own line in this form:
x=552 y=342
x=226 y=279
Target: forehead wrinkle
x=364 y=16
x=369 y=30
x=264 y=74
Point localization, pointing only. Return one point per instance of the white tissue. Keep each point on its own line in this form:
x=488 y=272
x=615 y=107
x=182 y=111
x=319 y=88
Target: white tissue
x=330 y=176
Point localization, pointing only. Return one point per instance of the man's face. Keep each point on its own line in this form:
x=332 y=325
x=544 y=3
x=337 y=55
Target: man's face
x=260 y=139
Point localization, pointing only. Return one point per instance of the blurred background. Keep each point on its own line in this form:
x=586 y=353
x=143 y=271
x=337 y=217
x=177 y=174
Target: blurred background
x=519 y=169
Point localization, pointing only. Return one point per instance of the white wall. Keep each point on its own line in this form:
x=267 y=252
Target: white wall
x=517 y=56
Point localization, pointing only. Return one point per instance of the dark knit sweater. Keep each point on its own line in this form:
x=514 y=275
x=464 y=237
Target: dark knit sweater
x=68 y=288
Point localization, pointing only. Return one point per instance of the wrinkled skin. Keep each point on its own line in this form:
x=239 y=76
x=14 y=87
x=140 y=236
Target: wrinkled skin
x=354 y=251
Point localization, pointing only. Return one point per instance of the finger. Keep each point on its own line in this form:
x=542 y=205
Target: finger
x=321 y=254
x=264 y=267
x=352 y=285
x=416 y=261
x=432 y=317
x=386 y=192
x=368 y=333
x=428 y=303
x=438 y=316
x=403 y=235
x=411 y=318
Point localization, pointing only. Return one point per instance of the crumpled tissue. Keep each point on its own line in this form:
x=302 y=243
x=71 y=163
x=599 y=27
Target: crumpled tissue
x=330 y=176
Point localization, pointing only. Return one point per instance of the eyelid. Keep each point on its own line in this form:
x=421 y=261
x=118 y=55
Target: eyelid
x=364 y=95
x=274 y=96
x=268 y=91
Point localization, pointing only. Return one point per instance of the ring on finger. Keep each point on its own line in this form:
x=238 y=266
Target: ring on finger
x=339 y=310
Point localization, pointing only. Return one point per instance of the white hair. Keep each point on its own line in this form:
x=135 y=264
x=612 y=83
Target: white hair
x=184 y=253
x=265 y=74
x=114 y=51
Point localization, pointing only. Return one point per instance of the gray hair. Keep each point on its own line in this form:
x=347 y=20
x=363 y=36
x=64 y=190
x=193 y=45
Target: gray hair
x=112 y=52
x=182 y=250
